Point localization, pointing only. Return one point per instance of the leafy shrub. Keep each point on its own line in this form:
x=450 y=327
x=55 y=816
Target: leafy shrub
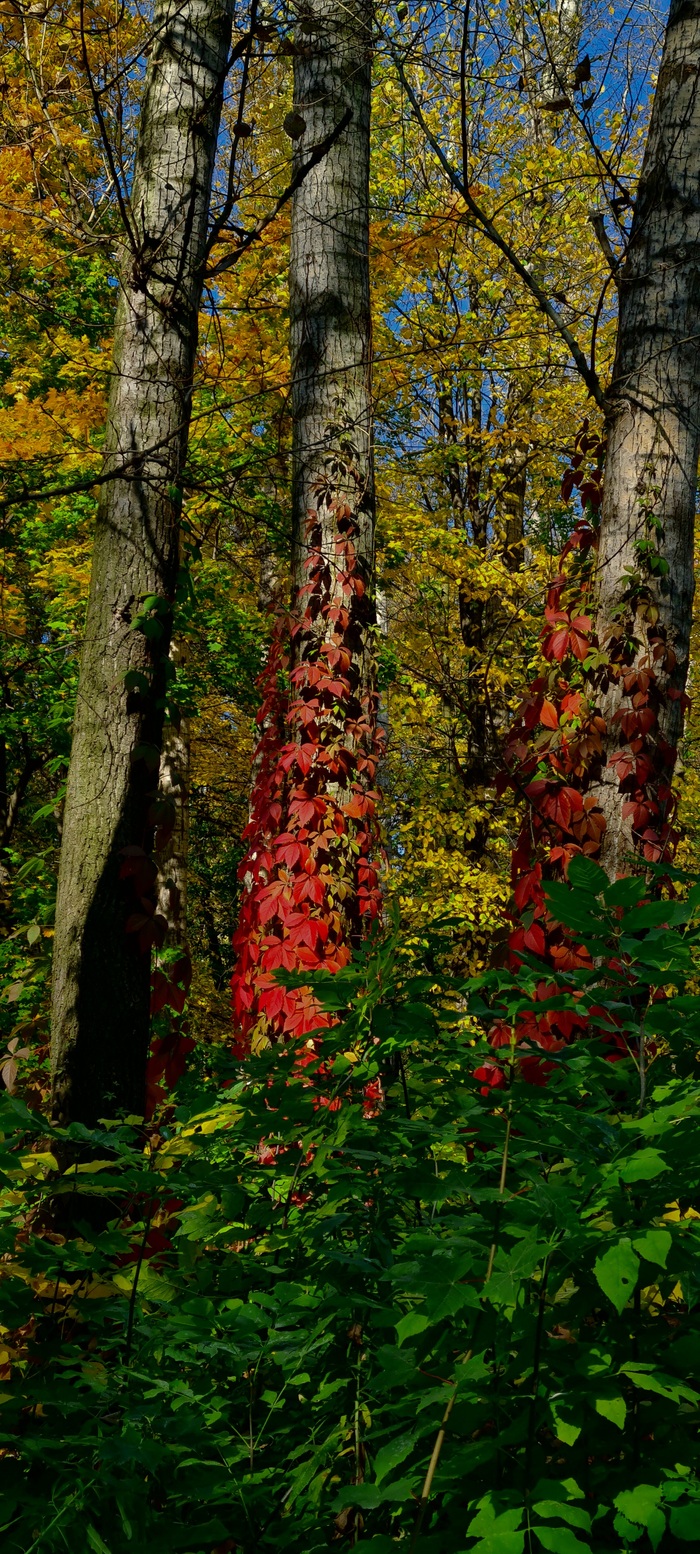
x=243 y=1330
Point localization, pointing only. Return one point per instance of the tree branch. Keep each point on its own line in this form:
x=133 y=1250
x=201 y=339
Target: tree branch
x=317 y=155
x=590 y=377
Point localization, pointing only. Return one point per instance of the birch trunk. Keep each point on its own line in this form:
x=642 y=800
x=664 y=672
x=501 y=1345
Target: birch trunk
x=106 y=891
x=654 y=410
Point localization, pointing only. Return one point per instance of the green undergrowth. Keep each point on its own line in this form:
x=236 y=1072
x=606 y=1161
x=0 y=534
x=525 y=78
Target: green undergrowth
x=242 y=1331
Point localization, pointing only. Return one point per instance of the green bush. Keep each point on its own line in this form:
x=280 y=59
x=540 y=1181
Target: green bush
x=243 y=1331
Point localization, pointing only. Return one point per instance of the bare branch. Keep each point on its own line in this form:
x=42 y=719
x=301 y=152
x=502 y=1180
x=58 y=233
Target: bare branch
x=589 y=376
x=317 y=155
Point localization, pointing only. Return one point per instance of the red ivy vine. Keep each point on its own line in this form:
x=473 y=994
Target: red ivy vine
x=557 y=751
x=310 y=881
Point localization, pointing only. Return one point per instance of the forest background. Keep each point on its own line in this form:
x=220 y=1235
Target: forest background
x=479 y=412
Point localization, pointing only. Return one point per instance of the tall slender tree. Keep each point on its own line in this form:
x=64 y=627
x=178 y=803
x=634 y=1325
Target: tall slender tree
x=106 y=901
x=330 y=325
x=645 y=572
x=307 y=880
x=645 y=569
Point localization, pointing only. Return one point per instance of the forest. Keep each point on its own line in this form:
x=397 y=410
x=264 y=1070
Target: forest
x=349 y=776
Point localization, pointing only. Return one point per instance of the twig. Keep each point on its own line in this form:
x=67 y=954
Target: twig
x=317 y=155
x=490 y=231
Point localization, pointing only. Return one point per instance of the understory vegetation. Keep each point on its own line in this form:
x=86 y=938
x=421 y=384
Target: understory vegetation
x=253 y=1325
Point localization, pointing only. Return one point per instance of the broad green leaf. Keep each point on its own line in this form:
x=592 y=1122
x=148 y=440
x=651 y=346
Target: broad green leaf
x=149 y=1285
x=656 y=914
x=561 y=1540
x=613 y=1409
x=644 y=1166
x=672 y=1015
x=566 y=1431
x=625 y=892
x=685 y=1521
x=654 y=1246
x=641 y=1507
x=389 y=1456
x=512 y=1268
x=664 y=1386
x=500 y=1542
x=499 y=1534
x=413 y=1322
x=574 y=1514
x=627 y=1530
x=586 y=875
x=570 y=909
x=616 y=1272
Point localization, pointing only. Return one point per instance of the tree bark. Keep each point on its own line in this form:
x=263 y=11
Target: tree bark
x=330 y=318
x=106 y=892
x=173 y=856
x=645 y=572
x=331 y=349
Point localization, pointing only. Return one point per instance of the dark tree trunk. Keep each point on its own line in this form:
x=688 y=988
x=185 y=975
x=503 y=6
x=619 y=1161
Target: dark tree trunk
x=106 y=892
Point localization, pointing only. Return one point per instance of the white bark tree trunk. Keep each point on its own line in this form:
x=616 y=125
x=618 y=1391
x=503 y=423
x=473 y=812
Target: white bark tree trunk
x=107 y=878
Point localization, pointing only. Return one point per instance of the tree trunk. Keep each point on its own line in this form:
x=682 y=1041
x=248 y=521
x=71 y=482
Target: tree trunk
x=173 y=856
x=331 y=349
x=106 y=892
x=308 y=883
x=646 y=578
x=329 y=293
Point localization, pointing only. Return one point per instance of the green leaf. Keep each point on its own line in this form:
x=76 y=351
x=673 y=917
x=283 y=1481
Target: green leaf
x=625 y=892
x=641 y=1506
x=616 y=1273
x=566 y=1431
x=149 y=1285
x=671 y=1015
x=561 y=1540
x=612 y=1409
x=500 y=1542
x=656 y=914
x=643 y=1166
x=413 y=1322
x=586 y=875
x=568 y=909
x=627 y=1530
x=135 y=680
x=649 y=1380
x=499 y=1532
x=654 y=1246
x=392 y=1454
x=96 y=1542
x=684 y=1521
x=574 y=1514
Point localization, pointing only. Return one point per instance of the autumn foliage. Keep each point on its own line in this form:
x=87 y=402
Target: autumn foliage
x=558 y=749
x=310 y=882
